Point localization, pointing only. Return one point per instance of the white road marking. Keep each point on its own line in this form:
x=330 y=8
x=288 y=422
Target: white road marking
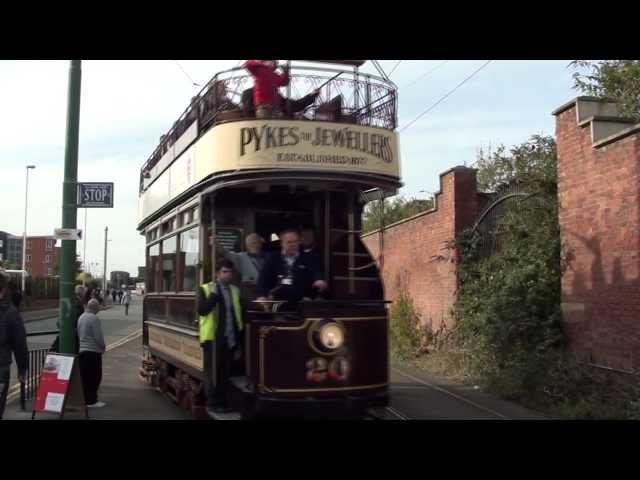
x=398 y=414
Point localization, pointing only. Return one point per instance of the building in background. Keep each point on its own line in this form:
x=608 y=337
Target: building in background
x=11 y=250
x=42 y=256
x=119 y=278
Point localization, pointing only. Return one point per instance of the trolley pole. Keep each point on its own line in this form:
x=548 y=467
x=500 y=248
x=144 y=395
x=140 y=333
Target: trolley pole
x=104 y=271
x=70 y=211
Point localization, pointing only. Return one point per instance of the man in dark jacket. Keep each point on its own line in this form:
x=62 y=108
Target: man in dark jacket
x=16 y=294
x=289 y=274
x=13 y=339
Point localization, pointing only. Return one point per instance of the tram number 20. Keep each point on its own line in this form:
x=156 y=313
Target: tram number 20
x=320 y=370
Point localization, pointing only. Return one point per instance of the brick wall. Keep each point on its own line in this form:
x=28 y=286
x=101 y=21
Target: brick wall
x=599 y=214
x=415 y=253
x=41 y=255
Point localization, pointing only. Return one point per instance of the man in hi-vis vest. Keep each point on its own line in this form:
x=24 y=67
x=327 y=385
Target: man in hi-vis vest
x=220 y=319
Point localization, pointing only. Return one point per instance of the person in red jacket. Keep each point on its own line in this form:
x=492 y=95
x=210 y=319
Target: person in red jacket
x=266 y=84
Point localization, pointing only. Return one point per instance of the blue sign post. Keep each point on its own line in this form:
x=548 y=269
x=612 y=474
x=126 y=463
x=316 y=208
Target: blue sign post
x=95 y=195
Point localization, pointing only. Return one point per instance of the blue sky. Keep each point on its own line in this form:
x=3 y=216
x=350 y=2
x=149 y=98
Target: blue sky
x=127 y=105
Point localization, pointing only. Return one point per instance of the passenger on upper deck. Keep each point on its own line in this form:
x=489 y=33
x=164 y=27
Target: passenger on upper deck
x=287 y=106
x=266 y=83
x=290 y=275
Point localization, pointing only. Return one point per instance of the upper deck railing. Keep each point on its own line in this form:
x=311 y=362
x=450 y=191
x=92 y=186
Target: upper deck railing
x=353 y=98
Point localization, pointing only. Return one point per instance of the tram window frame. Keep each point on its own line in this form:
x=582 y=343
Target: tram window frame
x=168 y=226
x=182 y=264
x=174 y=275
x=153 y=272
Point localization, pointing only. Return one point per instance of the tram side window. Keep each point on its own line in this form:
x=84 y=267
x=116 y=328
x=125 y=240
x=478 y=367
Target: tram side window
x=154 y=268
x=169 y=264
x=189 y=242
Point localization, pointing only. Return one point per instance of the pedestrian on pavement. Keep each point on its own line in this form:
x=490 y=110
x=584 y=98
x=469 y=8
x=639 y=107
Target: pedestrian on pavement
x=92 y=347
x=119 y=296
x=88 y=294
x=80 y=307
x=220 y=320
x=113 y=295
x=16 y=294
x=12 y=339
x=126 y=300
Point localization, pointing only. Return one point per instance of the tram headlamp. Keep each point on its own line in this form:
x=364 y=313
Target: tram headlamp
x=332 y=336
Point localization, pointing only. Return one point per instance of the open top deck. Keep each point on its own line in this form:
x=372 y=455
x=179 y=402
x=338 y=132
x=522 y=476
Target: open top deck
x=349 y=131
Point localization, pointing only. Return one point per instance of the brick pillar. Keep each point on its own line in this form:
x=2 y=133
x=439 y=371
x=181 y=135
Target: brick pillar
x=599 y=216
x=415 y=249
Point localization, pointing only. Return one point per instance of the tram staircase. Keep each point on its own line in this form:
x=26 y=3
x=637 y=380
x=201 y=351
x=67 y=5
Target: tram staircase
x=354 y=273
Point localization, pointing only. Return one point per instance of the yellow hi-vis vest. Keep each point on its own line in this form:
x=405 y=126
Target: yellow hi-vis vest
x=209 y=322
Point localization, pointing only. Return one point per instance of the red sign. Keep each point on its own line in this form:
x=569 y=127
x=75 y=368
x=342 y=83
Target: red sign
x=54 y=383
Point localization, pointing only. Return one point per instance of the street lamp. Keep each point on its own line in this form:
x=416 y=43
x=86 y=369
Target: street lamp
x=104 y=265
x=24 y=232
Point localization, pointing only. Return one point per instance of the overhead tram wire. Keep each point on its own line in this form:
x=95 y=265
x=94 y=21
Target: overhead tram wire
x=394 y=68
x=432 y=106
x=380 y=70
x=424 y=75
x=187 y=75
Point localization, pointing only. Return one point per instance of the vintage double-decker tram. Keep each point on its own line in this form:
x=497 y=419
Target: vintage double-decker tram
x=221 y=174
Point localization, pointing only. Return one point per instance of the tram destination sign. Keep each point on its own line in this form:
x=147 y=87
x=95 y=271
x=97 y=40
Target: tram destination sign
x=95 y=195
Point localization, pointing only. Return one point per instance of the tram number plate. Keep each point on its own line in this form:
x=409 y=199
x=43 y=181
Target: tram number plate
x=320 y=370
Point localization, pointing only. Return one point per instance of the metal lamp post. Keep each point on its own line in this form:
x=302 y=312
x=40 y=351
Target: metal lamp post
x=24 y=232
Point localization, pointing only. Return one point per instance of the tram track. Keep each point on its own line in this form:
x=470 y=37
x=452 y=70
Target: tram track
x=450 y=394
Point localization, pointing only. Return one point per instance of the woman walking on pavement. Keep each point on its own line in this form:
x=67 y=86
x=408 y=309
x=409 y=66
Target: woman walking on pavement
x=126 y=300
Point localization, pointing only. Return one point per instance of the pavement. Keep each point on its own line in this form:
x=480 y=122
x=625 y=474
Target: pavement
x=126 y=395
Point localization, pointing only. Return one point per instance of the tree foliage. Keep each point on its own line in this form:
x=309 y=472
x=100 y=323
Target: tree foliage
x=617 y=80
x=532 y=163
x=393 y=210
x=508 y=308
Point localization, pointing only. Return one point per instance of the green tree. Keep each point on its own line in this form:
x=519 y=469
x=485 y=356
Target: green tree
x=617 y=80
x=393 y=210
x=508 y=308
x=533 y=163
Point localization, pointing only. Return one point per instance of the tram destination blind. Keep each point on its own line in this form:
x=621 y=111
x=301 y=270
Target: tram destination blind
x=230 y=238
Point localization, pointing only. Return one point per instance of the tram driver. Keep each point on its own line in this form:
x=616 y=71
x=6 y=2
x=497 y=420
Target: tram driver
x=290 y=274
